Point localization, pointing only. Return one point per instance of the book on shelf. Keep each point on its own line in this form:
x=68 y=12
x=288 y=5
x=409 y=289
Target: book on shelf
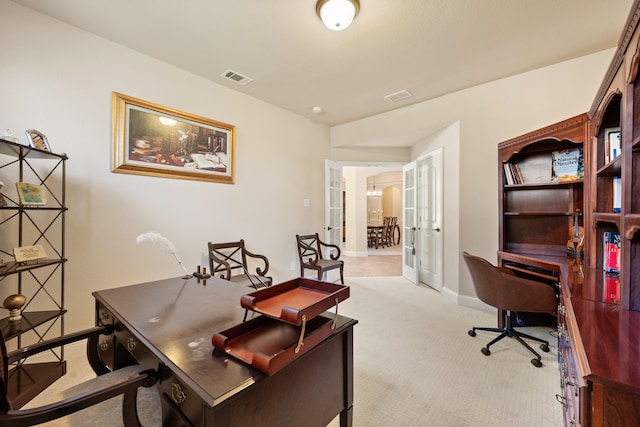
x=611 y=252
x=612 y=144
x=31 y=194
x=617 y=194
x=611 y=288
x=507 y=174
x=567 y=165
x=512 y=174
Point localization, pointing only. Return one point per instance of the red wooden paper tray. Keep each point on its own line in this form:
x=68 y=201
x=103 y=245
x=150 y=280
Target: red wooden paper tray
x=269 y=344
x=296 y=299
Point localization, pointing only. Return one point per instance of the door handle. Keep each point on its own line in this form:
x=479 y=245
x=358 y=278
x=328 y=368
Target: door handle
x=436 y=229
x=329 y=228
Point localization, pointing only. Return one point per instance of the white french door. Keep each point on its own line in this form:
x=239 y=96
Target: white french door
x=430 y=200
x=409 y=222
x=333 y=203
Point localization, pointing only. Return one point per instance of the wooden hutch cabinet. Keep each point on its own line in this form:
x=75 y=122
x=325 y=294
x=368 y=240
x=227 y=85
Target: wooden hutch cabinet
x=599 y=312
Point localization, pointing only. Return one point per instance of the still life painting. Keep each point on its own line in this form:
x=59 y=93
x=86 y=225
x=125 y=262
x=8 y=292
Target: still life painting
x=149 y=139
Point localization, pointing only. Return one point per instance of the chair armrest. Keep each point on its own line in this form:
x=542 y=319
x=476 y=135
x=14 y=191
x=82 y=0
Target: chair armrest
x=30 y=350
x=41 y=414
x=261 y=257
x=226 y=265
x=330 y=246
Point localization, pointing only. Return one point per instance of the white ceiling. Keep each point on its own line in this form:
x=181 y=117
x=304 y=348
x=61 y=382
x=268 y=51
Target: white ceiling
x=429 y=47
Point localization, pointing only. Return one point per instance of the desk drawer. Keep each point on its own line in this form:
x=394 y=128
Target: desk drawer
x=180 y=405
x=121 y=348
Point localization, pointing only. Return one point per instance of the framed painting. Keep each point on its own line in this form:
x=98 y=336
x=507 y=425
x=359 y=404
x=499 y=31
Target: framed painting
x=149 y=139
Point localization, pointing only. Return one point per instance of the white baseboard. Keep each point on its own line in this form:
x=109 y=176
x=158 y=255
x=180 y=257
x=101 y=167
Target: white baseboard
x=467 y=301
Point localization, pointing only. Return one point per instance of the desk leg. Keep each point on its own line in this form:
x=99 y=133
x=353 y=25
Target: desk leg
x=346 y=415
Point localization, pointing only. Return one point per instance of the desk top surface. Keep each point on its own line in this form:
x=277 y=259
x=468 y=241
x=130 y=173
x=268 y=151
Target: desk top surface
x=176 y=318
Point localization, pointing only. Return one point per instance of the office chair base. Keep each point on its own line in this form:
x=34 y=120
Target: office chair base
x=508 y=331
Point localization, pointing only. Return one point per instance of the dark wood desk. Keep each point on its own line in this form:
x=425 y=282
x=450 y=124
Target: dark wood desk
x=599 y=354
x=167 y=325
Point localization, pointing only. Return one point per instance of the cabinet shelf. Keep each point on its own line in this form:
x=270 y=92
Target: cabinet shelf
x=28 y=380
x=16 y=267
x=32 y=208
x=539 y=185
x=30 y=320
x=602 y=217
x=538 y=214
x=612 y=168
x=15 y=149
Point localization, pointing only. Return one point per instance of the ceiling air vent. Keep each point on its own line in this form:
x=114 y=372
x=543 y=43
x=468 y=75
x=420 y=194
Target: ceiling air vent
x=237 y=77
x=398 y=95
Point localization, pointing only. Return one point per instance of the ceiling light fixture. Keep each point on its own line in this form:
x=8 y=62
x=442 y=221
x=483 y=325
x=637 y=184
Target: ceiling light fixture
x=337 y=15
x=374 y=193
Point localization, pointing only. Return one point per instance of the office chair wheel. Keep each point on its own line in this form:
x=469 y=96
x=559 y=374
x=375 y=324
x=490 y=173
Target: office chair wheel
x=485 y=351
x=544 y=347
x=536 y=362
x=472 y=333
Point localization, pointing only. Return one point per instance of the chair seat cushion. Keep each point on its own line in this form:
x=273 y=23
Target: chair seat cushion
x=327 y=264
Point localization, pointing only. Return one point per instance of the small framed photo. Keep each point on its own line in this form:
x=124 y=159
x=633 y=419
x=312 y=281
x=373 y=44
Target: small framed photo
x=37 y=140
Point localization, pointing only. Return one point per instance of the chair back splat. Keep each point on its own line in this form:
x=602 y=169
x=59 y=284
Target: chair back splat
x=229 y=261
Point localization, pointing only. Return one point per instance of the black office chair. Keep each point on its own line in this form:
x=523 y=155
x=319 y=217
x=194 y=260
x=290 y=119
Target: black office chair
x=501 y=288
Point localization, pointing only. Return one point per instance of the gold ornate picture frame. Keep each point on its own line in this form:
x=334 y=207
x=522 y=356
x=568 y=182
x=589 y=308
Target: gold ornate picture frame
x=149 y=139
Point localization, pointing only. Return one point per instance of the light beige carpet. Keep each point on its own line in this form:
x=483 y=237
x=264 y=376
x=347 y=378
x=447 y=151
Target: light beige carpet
x=415 y=364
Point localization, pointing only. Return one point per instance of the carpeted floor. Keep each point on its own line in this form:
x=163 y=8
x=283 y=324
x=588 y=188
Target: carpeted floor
x=415 y=364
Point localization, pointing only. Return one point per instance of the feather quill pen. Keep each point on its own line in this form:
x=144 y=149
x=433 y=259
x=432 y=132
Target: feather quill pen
x=156 y=239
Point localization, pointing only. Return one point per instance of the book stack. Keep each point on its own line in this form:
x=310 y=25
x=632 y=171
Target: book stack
x=141 y=146
x=512 y=174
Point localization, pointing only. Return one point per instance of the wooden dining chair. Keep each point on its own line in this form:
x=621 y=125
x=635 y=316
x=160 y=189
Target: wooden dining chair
x=310 y=254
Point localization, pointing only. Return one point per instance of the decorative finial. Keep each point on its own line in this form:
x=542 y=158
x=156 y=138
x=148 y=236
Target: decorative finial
x=14 y=303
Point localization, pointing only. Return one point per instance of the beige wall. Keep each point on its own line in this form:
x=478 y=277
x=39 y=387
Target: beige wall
x=59 y=80
x=484 y=115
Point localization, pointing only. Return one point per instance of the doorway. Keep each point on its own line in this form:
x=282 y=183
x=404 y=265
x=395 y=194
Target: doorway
x=363 y=206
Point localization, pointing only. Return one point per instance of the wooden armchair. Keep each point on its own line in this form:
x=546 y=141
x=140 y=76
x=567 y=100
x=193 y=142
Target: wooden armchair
x=310 y=253
x=110 y=396
x=229 y=261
